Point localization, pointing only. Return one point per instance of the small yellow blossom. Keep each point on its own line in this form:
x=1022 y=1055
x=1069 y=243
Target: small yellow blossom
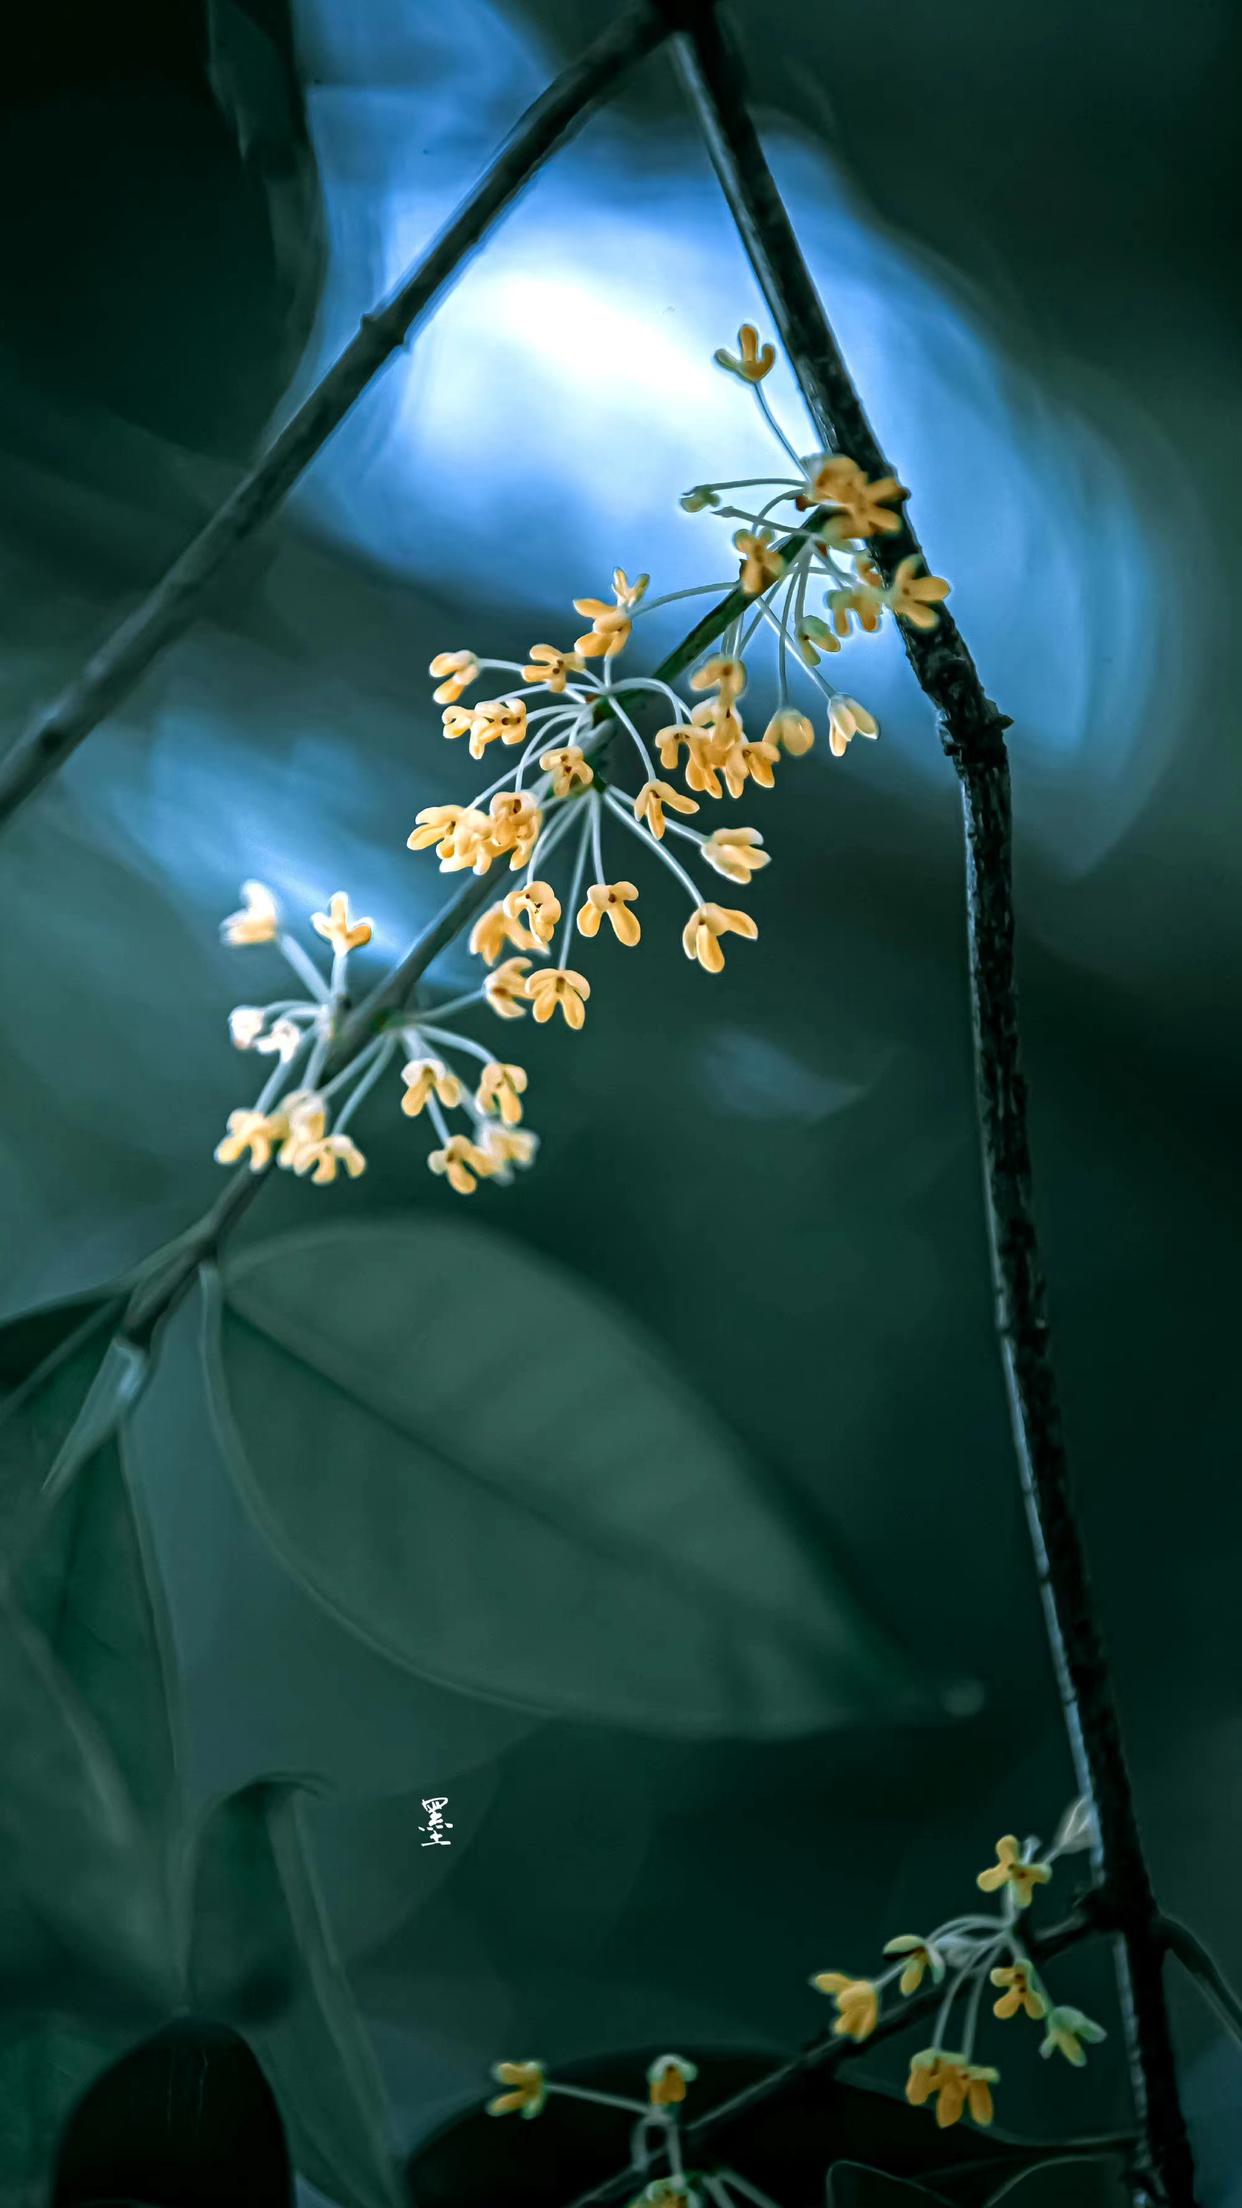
x=559 y=985
x=722 y=673
x=668 y=2078
x=492 y=720
x=914 y=597
x=921 y=1958
x=610 y=625
x=517 y=823
x=465 y=1164
x=758 y=761
x=735 y=853
x=493 y=930
x=707 y=923
x=751 y=361
x=538 y=904
x=327 y=1156
x=528 y=2086
x=505 y=989
x=814 y=637
x=761 y=562
x=954 y=2084
x=468 y=843
x=245 y=1025
x=831 y=480
x=1010 y=1870
x=258 y=919
x=694 y=500
x=252 y=1131
x=862 y=602
x=435 y=824
x=847 y=719
x=456 y=670
x=425 y=1078
x=300 y=1122
x=791 y=731
x=569 y=768
x=282 y=1040
x=551 y=667
x=857 y=2000
x=1022 y=1992
x=506 y=1146
x=865 y=507
x=501 y=1089
x=653 y=797
x=1069 y=2033
x=335 y=924
x=625 y=592
x=612 y=899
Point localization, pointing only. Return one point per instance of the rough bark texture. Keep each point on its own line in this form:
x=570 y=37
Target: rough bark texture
x=972 y=732
x=178 y=599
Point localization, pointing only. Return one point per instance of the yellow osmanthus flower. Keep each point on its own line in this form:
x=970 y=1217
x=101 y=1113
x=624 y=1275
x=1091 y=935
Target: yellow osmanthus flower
x=791 y=731
x=722 y=673
x=1010 y=1870
x=813 y=638
x=667 y=2079
x=914 y=597
x=537 y=903
x=610 y=625
x=756 y=761
x=326 y=1158
x=468 y=844
x=552 y=667
x=505 y=989
x=517 y=823
x=506 y=1146
x=569 y=768
x=862 y=602
x=425 y=1078
x=921 y=1957
x=258 y=919
x=342 y=932
x=559 y=986
x=493 y=930
x=464 y=1164
x=526 y=2080
x=1069 y=2033
x=752 y=361
x=611 y=900
x=865 y=507
x=735 y=853
x=501 y=1089
x=703 y=930
x=761 y=562
x=436 y=824
x=955 y=2086
x=246 y=1025
x=300 y=1121
x=857 y=2000
x=492 y=720
x=1022 y=1992
x=651 y=800
x=251 y=1131
x=847 y=719
x=456 y=671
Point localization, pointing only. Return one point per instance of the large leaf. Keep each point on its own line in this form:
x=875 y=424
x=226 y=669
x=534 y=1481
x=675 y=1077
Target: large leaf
x=851 y=2185
x=1072 y=2181
x=261 y=1952
x=496 y=1479
x=85 y=1573
x=45 y=2065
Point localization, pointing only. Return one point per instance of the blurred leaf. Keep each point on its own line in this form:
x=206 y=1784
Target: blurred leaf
x=44 y=2066
x=186 y=2120
x=852 y=2185
x=1077 y=2181
x=85 y=1573
x=261 y=1951
x=495 y=1478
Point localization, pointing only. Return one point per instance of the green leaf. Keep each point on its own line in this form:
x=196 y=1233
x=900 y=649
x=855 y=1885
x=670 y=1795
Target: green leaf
x=44 y=2066
x=851 y=2185
x=85 y=1573
x=494 y=1478
x=1072 y=2181
x=261 y=1953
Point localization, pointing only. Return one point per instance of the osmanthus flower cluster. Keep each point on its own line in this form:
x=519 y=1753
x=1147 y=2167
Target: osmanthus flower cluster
x=969 y=1955
x=563 y=817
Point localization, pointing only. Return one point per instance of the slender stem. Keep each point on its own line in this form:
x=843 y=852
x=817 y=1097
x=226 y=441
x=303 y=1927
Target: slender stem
x=972 y=732
x=111 y=673
x=1203 y=1966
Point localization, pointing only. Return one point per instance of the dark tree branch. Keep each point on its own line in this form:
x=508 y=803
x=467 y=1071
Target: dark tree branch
x=972 y=731
x=55 y=733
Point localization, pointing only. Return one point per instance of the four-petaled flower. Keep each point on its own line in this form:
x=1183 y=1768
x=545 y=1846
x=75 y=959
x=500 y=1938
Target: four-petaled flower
x=761 y=562
x=1068 y=2032
x=752 y=361
x=456 y=671
x=300 y=1121
x=252 y=1131
x=735 y=852
x=506 y=1146
x=464 y=1162
x=493 y=930
x=538 y=904
x=258 y=919
x=1010 y=1870
x=505 y=989
x=723 y=673
x=701 y=934
x=847 y=719
x=341 y=932
x=857 y=2000
x=559 y=985
x=501 y=1089
x=921 y=1957
x=668 y=2078
x=955 y=2084
x=551 y=667
x=526 y=2081
x=1022 y=1991
x=865 y=508
x=569 y=768
x=516 y=823
x=653 y=797
x=327 y=1155
x=425 y=1078
x=914 y=597
x=612 y=899
x=610 y=625
x=791 y=731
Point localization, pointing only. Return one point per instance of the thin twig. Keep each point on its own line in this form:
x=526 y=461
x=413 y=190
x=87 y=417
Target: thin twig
x=972 y=732
x=1204 y=1968
x=111 y=673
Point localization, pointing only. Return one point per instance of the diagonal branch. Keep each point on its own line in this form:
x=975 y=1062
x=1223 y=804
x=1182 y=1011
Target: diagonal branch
x=55 y=733
x=972 y=731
